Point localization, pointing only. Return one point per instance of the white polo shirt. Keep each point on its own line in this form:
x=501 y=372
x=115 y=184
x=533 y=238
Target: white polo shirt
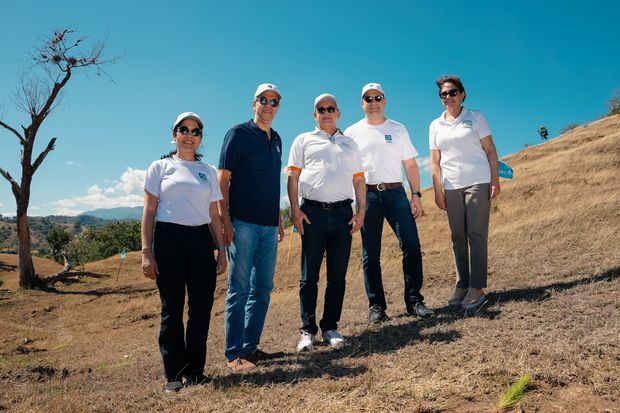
x=383 y=148
x=463 y=160
x=185 y=190
x=327 y=165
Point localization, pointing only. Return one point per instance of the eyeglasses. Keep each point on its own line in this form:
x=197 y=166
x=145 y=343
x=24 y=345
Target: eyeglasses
x=322 y=109
x=184 y=130
x=451 y=93
x=377 y=98
x=271 y=102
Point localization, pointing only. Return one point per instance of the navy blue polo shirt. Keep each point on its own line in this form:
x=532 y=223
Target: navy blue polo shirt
x=255 y=162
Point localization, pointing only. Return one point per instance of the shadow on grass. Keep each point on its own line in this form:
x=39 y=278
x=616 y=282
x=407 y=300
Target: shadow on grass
x=392 y=336
x=323 y=367
x=7 y=267
x=543 y=292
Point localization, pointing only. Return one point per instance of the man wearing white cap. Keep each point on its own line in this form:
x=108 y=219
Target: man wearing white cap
x=323 y=165
x=385 y=148
x=249 y=176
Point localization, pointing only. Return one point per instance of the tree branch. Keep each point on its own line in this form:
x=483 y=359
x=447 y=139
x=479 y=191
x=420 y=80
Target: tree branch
x=20 y=137
x=42 y=155
x=50 y=99
x=14 y=187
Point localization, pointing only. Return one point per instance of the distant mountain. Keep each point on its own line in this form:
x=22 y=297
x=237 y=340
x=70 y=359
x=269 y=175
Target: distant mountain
x=122 y=213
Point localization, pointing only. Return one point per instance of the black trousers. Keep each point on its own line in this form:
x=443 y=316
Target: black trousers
x=185 y=260
x=329 y=232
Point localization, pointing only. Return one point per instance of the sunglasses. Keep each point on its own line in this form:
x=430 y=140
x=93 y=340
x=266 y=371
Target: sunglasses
x=377 y=98
x=329 y=109
x=446 y=93
x=184 y=130
x=271 y=102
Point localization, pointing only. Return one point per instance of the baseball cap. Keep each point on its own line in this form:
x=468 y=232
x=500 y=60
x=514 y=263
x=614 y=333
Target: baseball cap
x=264 y=87
x=323 y=97
x=372 y=86
x=187 y=115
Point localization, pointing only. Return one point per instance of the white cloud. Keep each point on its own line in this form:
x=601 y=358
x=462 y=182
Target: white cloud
x=1 y=206
x=127 y=192
x=424 y=162
x=70 y=162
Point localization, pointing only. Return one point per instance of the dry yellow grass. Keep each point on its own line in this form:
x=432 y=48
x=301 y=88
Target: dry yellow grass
x=553 y=313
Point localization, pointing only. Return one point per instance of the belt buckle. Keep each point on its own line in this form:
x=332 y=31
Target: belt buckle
x=325 y=205
x=381 y=188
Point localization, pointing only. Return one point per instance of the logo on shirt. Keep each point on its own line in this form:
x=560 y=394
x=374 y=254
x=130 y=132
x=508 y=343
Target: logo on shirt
x=466 y=124
x=388 y=138
x=202 y=176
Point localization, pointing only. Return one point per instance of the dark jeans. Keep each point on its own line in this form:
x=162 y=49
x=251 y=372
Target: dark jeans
x=394 y=206
x=184 y=257
x=328 y=232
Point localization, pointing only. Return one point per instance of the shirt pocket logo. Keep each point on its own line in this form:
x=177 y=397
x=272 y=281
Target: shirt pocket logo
x=467 y=124
x=202 y=176
x=388 y=138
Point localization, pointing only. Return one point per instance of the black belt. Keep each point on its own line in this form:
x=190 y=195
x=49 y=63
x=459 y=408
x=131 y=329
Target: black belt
x=326 y=205
x=184 y=229
x=383 y=186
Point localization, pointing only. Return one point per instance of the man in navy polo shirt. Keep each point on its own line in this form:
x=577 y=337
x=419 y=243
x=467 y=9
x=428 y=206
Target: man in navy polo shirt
x=249 y=176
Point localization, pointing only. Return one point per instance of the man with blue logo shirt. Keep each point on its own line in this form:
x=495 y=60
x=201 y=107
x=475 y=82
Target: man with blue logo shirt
x=386 y=148
x=249 y=176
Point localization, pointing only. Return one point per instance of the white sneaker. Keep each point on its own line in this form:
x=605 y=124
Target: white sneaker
x=333 y=338
x=306 y=341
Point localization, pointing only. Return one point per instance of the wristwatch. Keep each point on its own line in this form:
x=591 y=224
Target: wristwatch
x=418 y=193
x=221 y=247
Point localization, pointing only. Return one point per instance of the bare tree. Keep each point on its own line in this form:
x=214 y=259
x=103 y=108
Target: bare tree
x=59 y=55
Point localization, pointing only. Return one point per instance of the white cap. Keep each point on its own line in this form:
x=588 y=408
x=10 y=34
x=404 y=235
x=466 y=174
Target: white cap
x=187 y=115
x=264 y=87
x=372 y=86
x=323 y=97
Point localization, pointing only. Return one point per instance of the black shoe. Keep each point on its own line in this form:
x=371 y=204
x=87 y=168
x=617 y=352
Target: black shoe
x=197 y=380
x=377 y=315
x=420 y=310
x=259 y=355
x=173 y=386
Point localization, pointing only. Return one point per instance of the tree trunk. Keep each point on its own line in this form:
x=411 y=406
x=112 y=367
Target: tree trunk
x=27 y=276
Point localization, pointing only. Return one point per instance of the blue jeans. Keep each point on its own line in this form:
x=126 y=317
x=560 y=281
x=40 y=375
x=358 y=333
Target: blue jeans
x=329 y=232
x=394 y=206
x=252 y=256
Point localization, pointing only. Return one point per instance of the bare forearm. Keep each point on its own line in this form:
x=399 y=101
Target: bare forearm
x=216 y=224
x=413 y=176
x=292 y=187
x=359 y=184
x=148 y=220
x=224 y=182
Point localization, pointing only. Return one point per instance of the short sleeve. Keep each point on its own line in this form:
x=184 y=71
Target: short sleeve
x=296 y=156
x=216 y=192
x=481 y=126
x=407 y=149
x=152 y=183
x=432 y=137
x=230 y=154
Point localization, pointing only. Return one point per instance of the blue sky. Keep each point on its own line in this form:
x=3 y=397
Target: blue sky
x=523 y=64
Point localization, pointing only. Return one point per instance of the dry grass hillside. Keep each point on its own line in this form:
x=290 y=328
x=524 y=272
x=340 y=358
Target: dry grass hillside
x=553 y=313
